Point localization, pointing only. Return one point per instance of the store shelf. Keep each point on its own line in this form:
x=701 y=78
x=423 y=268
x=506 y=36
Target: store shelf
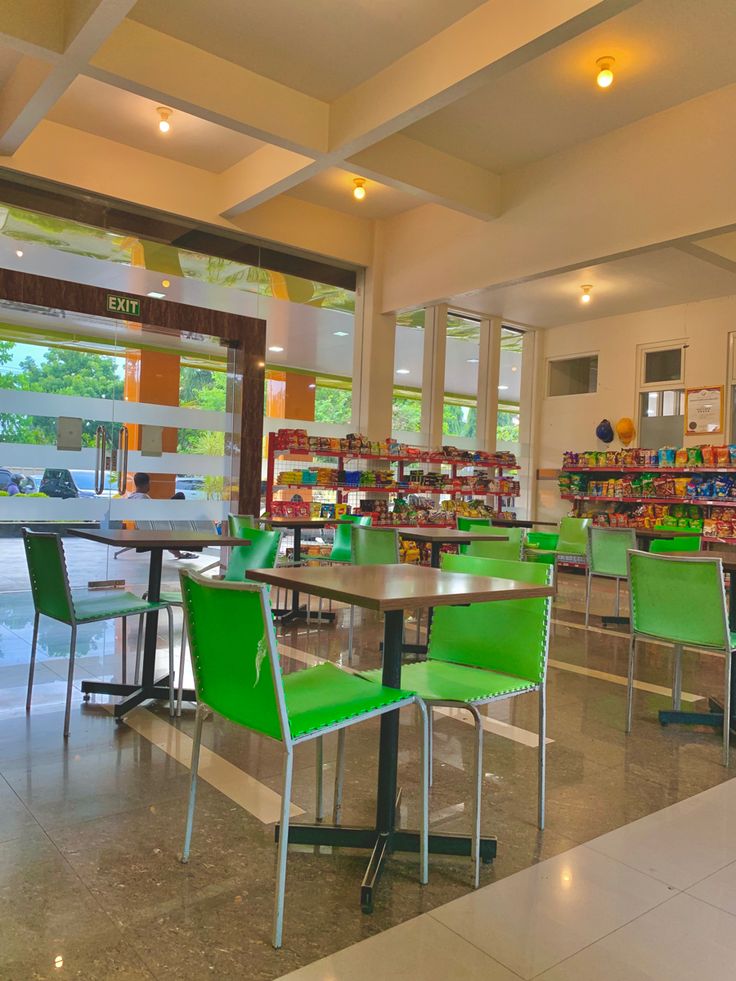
x=388 y=458
x=703 y=501
x=664 y=471
x=409 y=489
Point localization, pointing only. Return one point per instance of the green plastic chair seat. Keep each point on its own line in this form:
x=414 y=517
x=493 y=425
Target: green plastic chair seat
x=682 y=543
x=324 y=696
x=467 y=524
x=92 y=604
x=440 y=681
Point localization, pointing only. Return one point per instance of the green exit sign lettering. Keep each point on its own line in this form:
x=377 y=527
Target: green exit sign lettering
x=123 y=304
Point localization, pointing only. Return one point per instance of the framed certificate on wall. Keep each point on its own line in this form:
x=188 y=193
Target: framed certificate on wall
x=703 y=410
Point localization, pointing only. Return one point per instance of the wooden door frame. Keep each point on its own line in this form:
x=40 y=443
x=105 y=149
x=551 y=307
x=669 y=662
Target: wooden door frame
x=245 y=336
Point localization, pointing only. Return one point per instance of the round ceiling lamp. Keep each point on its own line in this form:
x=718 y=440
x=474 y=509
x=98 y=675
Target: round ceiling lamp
x=585 y=298
x=163 y=119
x=605 y=71
x=359 y=189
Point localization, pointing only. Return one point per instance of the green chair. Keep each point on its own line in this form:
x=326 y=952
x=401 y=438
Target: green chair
x=342 y=544
x=608 y=559
x=53 y=597
x=510 y=549
x=237 y=674
x=261 y=553
x=681 y=543
x=485 y=652
x=680 y=600
x=371 y=546
x=540 y=546
x=572 y=543
x=467 y=524
x=238 y=523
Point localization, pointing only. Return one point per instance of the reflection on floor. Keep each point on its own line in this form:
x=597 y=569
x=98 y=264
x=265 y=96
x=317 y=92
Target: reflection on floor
x=89 y=833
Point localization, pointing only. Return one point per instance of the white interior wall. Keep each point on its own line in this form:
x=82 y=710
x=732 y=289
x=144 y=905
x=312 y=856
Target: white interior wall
x=569 y=422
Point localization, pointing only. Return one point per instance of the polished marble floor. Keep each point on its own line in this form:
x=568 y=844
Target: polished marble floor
x=90 y=885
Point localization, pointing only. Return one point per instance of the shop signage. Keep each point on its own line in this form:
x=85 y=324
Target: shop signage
x=703 y=410
x=123 y=304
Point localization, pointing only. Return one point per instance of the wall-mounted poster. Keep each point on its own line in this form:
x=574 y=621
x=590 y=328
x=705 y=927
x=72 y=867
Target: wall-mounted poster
x=703 y=410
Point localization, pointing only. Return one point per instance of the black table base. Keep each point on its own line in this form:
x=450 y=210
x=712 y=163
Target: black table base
x=290 y=614
x=133 y=695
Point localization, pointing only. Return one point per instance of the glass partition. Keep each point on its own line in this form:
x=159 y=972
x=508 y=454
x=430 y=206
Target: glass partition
x=462 y=356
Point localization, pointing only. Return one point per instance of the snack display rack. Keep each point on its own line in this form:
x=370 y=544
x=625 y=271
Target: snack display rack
x=684 y=489
x=394 y=482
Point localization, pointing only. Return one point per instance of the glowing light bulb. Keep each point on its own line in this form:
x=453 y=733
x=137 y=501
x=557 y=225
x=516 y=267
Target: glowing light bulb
x=19 y=253
x=605 y=71
x=585 y=298
x=163 y=121
x=359 y=189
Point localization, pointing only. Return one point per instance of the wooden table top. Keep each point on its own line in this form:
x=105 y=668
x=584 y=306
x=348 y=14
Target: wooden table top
x=180 y=539
x=395 y=587
x=451 y=536
x=297 y=522
x=727 y=558
x=665 y=532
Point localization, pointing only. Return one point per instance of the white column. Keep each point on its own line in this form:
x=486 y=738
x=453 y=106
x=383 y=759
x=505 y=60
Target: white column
x=489 y=367
x=532 y=370
x=433 y=373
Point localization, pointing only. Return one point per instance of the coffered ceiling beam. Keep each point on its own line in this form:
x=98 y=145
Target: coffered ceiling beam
x=36 y=84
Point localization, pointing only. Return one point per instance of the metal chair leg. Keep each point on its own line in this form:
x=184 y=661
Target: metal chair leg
x=339 y=777
x=430 y=744
x=139 y=649
x=425 y=757
x=727 y=710
x=182 y=661
x=124 y=648
x=194 y=766
x=475 y=847
x=618 y=597
x=630 y=684
x=172 y=700
x=32 y=664
x=278 y=915
x=542 y=774
x=677 y=678
x=350 y=635
x=588 y=590
x=70 y=679
x=320 y=804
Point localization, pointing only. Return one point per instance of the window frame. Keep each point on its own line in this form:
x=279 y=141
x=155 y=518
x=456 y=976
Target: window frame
x=570 y=357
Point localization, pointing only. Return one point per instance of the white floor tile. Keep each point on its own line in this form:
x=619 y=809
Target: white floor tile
x=718 y=889
x=681 y=940
x=538 y=917
x=681 y=844
x=419 y=950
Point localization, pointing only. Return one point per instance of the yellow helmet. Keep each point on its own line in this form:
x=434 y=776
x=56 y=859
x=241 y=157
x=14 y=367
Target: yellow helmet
x=625 y=430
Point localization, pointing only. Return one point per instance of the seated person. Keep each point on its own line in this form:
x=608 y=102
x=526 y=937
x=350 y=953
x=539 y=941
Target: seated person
x=142 y=487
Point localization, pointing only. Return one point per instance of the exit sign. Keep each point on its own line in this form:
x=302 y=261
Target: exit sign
x=123 y=304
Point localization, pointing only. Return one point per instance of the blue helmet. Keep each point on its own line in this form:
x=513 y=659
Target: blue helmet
x=604 y=431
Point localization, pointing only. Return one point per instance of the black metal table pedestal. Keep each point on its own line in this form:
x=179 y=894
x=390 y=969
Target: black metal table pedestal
x=385 y=837
x=296 y=611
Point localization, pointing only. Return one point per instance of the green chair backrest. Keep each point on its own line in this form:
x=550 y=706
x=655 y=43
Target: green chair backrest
x=510 y=636
x=573 y=536
x=607 y=548
x=342 y=543
x=542 y=539
x=47 y=571
x=236 y=523
x=374 y=546
x=681 y=543
x=511 y=549
x=234 y=652
x=681 y=600
x=260 y=554
x=465 y=524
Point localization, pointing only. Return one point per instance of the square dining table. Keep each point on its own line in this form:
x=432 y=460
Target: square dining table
x=390 y=589
x=296 y=611
x=155 y=542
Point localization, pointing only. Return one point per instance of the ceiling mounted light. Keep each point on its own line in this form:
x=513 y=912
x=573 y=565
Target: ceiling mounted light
x=156 y=296
x=19 y=253
x=359 y=189
x=311 y=385
x=503 y=388
x=605 y=71
x=340 y=333
x=165 y=283
x=276 y=349
x=473 y=360
x=163 y=119
x=585 y=298
x=402 y=371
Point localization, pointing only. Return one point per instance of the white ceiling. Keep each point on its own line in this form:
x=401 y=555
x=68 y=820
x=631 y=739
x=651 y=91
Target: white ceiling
x=321 y=47
x=8 y=61
x=658 y=278
x=333 y=188
x=107 y=111
x=666 y=51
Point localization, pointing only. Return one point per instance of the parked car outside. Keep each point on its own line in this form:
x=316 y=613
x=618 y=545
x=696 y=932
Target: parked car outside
x=9 y=476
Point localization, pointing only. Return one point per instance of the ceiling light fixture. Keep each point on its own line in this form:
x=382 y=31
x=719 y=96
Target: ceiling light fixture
x=514 y=368
x=155 y=295
x=276 y=349
x=311 y=385
x=473 y=360
x=19 y=253
x=503 y=388
x=359 y=189
x=585 y=298
x=402 y=371
x=163 y=119
x=605 y=71
x=340 y=333
x=165 y=283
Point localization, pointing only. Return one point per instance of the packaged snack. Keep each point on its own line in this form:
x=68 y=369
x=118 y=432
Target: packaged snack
x=709 y=456
x=723 y=456
x=681 y=457
x=694 y=456
x=666 y=456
